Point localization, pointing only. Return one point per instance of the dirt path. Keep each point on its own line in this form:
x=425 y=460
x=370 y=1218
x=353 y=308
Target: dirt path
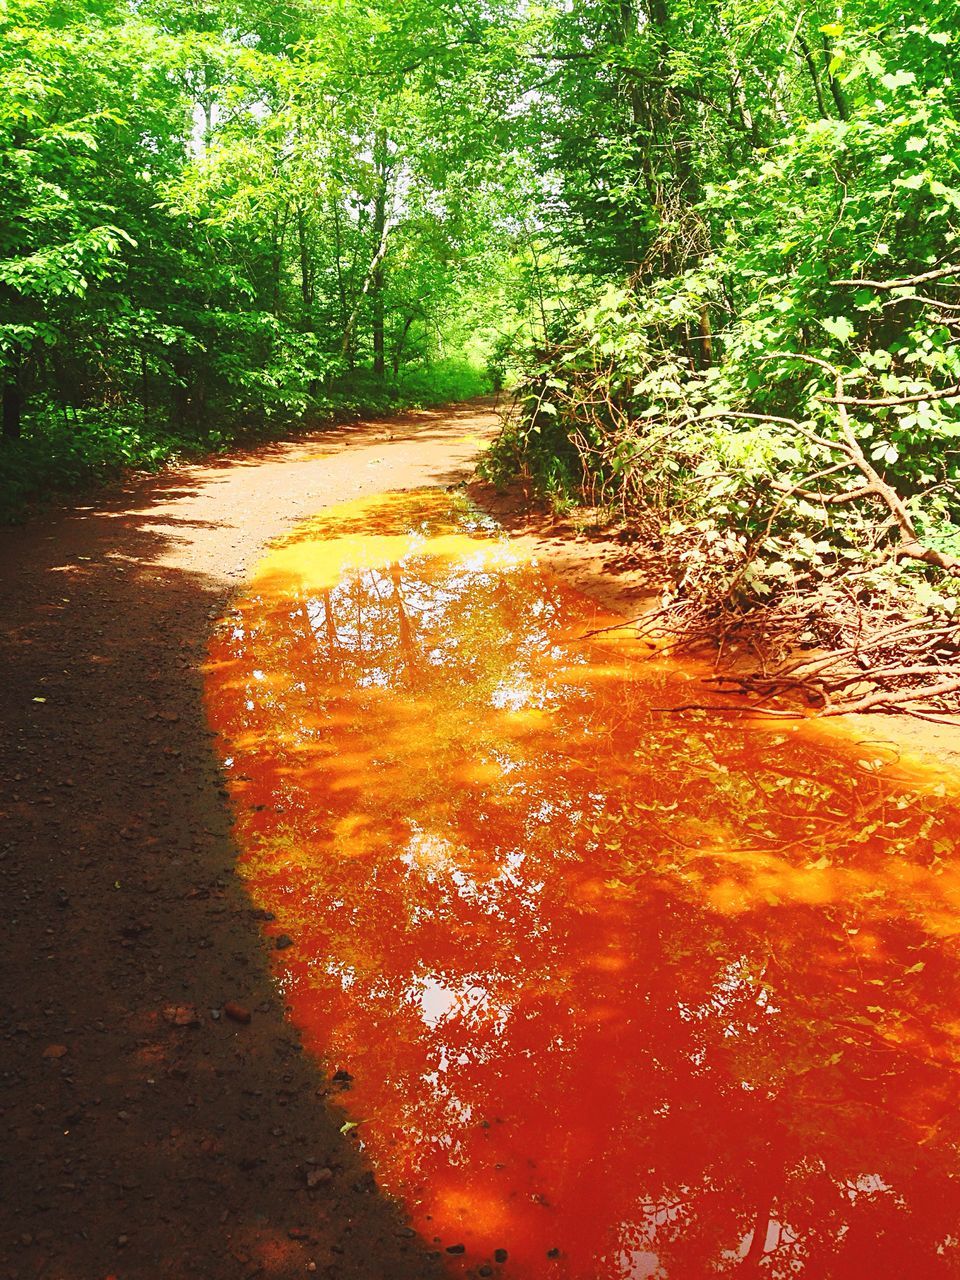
x=134 y=1146
x=137 y=1144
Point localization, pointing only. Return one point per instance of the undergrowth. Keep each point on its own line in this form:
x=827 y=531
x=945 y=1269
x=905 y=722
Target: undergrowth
x=799 y=502
x=62 y=452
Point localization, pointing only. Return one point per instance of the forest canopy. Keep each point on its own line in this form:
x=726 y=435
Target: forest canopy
x=220 y=216
x=712 y=244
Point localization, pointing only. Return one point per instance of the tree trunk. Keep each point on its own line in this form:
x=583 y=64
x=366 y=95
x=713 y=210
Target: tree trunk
x=276 y=259
x=839 y=99
x=378 y=276
x=379 y=349
x=11 y=408
x=346 y=345
x=306 y=270
x=374 y=282
x=144 y=387
x=401 y=343
x=814 y=77
x=706 y=338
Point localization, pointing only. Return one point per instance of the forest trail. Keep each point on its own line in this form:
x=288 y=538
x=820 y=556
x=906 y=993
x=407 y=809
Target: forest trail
x=149 y=1132
x=136 y=1144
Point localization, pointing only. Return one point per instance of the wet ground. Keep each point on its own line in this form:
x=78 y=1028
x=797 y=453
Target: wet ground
x=145 y=1132
x=601 y=992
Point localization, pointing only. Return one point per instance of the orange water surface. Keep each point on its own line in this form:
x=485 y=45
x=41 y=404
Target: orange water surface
x=623 y=994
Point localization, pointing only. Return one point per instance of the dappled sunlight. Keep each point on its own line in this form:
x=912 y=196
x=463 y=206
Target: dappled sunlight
x=622 y=994
x=315 y=557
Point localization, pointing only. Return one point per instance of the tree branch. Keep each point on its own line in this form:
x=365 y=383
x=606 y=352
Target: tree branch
x=892 y=699
x=941 y=273
x=887 y=402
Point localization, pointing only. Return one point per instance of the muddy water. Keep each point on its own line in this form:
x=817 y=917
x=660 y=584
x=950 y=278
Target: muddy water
x=622 y=994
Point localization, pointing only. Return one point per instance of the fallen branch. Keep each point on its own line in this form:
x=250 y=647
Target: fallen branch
x=728 y=711
x=890 y=698
x=847 y=604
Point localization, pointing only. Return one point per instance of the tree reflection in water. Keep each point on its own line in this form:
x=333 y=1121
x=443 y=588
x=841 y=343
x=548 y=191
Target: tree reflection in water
x=675 y=997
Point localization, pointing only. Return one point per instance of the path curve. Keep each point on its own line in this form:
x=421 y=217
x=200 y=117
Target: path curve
x=134 y=1145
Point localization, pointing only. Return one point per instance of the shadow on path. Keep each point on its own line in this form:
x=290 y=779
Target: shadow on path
x=145 y=1136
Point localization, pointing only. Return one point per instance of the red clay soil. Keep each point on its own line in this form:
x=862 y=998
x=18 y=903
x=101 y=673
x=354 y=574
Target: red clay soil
x=147 y=1132
x=150 y=1129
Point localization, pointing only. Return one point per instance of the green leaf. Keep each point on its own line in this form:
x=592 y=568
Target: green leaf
x=839 y=327
x=898 y=80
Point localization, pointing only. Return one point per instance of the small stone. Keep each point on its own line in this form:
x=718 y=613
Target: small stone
x=236 y=1012
x=500 y=1255
x=283 y=941
x=181 y=1015
x=317 y=1177
x=456 y=1248
x=122 y=1241
x=56 y=1051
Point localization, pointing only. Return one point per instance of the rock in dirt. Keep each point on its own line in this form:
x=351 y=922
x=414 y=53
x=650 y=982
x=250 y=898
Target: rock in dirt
x=236 y=1012
x=181 y=1015
x=56 y=1051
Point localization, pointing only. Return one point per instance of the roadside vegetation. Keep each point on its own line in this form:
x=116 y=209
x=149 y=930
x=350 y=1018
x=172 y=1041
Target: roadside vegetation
x=766 y=390
x=220 y=220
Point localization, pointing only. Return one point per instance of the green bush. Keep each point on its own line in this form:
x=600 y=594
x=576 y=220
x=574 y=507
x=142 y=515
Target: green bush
x=59 y=453
x=89 y=447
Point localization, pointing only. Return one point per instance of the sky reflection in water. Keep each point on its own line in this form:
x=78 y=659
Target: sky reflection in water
x=670 y=996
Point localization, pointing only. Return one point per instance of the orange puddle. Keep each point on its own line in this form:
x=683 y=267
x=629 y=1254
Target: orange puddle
x=626 y=995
